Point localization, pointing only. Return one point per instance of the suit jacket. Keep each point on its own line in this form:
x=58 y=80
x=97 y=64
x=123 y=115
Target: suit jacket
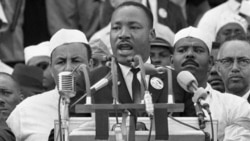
x=104 y=95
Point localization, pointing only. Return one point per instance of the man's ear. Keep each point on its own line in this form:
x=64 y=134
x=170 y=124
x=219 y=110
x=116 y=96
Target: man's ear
x=50 y=69
x=171 y=61
x=210 y=63
x=91 y=63
x=218 y=69
x=152 y=35
x=21 y=96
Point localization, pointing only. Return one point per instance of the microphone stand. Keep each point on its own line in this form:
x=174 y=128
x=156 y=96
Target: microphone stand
x=65 y=118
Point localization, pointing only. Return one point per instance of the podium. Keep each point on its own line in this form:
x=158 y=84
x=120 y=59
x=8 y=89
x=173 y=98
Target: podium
x=84 y=128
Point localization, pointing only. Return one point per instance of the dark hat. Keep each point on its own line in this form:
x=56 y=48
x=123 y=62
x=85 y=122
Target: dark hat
x=162 y=43
x=30 y=79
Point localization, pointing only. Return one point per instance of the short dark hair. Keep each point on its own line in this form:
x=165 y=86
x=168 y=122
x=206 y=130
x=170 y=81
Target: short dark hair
x=139 y=5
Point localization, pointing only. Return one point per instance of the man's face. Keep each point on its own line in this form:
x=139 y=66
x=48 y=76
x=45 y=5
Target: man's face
x=43 y=63
x=230 y=31
x=214 y=78
x=10 y=95
x=192 y=54
x=67 y=57
x=160 y=55
x=130 y=34
x=236 y=75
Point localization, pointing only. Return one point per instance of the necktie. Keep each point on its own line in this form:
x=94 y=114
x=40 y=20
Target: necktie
x=136 y=86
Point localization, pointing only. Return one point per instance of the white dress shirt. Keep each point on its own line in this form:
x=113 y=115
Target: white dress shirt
x=128 y=76
x=33 y=118
x=245 y=96
x=233 y=114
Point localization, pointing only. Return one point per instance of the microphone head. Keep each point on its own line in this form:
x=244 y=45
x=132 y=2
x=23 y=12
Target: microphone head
x=185 y=79
x=150 y=69
x=66 y=84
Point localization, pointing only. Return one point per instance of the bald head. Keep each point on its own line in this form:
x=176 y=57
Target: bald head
x=234 y=45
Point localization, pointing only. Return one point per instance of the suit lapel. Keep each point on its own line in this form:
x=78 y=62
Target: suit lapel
x=124 y=96
x=153 y=88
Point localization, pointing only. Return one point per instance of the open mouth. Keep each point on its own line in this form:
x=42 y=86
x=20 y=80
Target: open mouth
x=125 y=49
x=190 y=63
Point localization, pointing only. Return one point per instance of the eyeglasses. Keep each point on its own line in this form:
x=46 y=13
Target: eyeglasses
x=228 y=62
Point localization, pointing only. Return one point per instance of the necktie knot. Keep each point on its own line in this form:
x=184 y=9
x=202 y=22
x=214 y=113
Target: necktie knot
x=135 y=70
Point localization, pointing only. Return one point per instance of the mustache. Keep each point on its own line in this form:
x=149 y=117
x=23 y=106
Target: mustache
x=190 y=61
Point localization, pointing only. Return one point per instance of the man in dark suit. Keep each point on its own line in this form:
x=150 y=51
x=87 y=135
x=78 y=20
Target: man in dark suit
x=131 y=34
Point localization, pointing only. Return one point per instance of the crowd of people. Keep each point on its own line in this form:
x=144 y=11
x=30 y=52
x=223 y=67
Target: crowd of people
x=216 y=52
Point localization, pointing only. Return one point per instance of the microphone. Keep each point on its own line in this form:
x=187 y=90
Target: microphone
x=188 y=82
x=66 y=84
x=147 y=97
x=66 y=88
x=97 y=86
x=152 y=69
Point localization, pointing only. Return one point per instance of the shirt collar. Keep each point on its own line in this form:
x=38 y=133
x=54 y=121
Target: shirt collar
x=245 y=96
x=126 y=69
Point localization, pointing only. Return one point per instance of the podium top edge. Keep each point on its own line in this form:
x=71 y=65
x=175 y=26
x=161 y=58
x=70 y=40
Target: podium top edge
x=82 y=108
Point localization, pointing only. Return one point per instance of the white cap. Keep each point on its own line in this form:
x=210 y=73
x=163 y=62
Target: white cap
x=41 y=49
x=164 y=32
x=195 y=33
x=65 y=36
x=232 y=18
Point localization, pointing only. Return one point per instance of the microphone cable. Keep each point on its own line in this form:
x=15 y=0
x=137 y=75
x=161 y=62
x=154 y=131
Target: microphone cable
x=59 y=119
x=206 y=107
x=151 y=127
x=212 y=126
x=185 y=124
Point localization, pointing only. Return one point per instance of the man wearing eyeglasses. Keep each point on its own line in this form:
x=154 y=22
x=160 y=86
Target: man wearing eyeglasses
x=233 y=66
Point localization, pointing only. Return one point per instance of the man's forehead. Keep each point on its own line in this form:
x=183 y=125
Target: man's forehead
x=190 y=41
x=133 y=14
x=70 y=48
x=6 y=80
x=231 y=26
x=235 y=48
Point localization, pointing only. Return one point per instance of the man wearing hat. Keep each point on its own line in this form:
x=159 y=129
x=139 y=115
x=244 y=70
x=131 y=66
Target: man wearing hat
x=30 y=79
x=211 y=19
x=39 y=56
x=34 y=118
x=192 y=48
x=160 y=52
x=231 y=27
x=161 y=46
